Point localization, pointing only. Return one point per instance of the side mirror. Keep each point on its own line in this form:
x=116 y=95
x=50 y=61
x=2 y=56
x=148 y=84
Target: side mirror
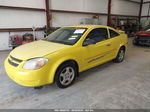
x=88 y=42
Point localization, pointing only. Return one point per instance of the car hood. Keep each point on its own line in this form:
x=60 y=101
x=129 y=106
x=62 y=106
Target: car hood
x=36 y=49
x=143 y=33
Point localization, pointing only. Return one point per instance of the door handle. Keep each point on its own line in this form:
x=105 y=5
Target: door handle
x=108 y=45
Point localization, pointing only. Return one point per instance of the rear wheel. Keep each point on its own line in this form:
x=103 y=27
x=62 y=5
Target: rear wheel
x=65 y=75
x=120 y=56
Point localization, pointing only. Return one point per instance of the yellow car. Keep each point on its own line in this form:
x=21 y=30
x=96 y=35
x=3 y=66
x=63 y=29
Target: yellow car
x=63 y=54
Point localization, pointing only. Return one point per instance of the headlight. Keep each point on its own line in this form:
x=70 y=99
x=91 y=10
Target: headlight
x=35 y=63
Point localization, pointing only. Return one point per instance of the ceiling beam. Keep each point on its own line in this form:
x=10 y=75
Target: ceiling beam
x=145 y=16
x=90 y=13
x=19 y=29
x=22 y=8
x=146 y=2
x=133 y=1
x=120 y=15
x=77 y=12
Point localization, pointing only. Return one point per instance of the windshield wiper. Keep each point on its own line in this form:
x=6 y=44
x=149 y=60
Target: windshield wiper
x=60 y=42
x=66 y=43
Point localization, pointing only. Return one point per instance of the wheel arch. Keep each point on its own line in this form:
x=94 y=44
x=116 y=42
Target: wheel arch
x=123 y=46
x=69 y=61
x=59 y=63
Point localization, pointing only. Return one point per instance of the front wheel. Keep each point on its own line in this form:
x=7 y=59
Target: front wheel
x=120 y=56
x=65 y=75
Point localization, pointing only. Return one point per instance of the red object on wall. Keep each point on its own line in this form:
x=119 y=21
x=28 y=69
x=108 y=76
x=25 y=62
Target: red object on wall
x=16 y=40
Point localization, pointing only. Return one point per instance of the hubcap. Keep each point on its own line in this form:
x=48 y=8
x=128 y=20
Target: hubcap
x=121 y=55
x=67 y=75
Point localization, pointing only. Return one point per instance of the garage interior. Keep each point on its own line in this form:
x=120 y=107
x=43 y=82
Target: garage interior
x=109 y=86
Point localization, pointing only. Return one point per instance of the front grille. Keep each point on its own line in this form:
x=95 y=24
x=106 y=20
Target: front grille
x=144 y=37
x=15 y=59
x=12 y=63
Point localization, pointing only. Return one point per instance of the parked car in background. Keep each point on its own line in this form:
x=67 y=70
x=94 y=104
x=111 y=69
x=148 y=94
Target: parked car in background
x=63 y=54
x=142 y=37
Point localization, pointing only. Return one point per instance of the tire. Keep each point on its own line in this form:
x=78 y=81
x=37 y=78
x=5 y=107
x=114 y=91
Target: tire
x=120 y=55
x=135 y=43
x=66 y=75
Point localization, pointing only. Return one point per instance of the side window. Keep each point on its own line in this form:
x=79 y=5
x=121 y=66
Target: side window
x=113 y=33
x=98 y=34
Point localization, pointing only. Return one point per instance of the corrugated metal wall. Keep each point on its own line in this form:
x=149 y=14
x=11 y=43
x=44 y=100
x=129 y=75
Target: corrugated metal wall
x=27 y=19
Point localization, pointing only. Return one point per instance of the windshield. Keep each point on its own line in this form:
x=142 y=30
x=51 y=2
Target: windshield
x=67 y=35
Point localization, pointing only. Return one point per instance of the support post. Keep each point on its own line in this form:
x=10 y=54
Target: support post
x=48 y=17
x=148 y=11
x=109 y=13
x=140 y=12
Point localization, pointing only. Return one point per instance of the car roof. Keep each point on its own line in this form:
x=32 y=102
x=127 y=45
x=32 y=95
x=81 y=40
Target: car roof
x=87 y=26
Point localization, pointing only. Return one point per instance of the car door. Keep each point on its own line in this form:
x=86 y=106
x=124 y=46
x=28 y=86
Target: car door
x=97 y=52
x=115 y=40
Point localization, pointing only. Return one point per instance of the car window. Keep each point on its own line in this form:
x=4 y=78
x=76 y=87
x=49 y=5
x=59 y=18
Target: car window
x=113 y=33
x=98 y=34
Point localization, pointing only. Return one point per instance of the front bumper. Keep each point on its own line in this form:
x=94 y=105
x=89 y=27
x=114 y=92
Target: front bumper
x=29 y=78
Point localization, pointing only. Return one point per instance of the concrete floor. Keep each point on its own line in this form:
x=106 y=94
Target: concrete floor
x=112 y=86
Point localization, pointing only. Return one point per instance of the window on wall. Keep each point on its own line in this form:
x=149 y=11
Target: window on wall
x=113 y=33
x=98 y=34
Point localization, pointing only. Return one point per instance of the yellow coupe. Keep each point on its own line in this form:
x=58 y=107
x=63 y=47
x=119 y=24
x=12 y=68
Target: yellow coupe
x=63 y=54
